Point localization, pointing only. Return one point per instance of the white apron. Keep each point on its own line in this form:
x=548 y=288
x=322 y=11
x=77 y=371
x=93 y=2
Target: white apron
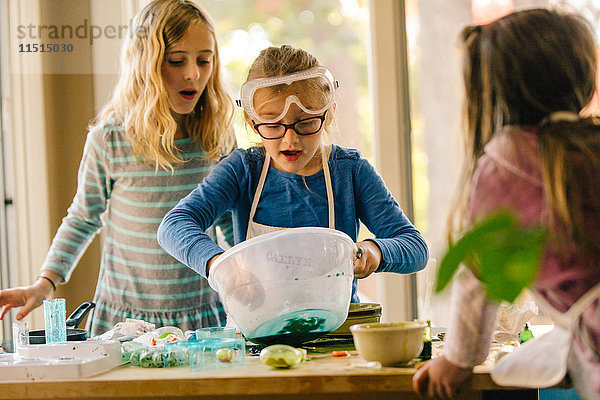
x=256 y=229
x=542 y=361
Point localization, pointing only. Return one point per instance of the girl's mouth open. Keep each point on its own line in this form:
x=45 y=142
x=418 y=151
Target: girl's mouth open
x=292 y=155
x=188 y=94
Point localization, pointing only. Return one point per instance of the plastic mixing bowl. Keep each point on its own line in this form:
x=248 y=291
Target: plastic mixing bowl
x=288 y=286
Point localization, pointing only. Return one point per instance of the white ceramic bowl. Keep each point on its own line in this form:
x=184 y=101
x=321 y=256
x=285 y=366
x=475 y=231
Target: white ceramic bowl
x=389 y=343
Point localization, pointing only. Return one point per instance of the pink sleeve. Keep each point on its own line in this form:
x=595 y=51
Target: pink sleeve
x=496 y=185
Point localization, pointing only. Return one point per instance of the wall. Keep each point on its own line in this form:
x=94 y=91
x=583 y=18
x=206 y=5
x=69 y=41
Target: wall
x=69 y=107
x=48 y=107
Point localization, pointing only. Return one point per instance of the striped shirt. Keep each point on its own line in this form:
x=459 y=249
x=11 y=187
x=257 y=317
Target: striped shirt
x=129 y=198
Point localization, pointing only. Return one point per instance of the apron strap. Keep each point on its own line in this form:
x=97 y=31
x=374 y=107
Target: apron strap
x=258 y=192
x=568 y=319
x=263 y=176
x=583 y=302
x=330 y=201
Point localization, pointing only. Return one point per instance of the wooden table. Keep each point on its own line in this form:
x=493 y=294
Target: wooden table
x=321 y=377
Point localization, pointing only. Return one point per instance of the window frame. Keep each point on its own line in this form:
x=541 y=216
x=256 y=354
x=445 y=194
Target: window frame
x=392 y=138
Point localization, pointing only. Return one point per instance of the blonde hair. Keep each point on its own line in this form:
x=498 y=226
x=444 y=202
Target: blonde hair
x=518 y=70
x=283 y=60
x=140 y=101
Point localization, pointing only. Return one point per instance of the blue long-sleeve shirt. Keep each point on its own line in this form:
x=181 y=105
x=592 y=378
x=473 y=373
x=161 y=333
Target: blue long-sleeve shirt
x=290 y=200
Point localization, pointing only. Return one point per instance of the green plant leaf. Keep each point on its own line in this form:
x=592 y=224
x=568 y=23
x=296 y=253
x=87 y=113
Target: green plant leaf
x=504 y=255
x=461 y=250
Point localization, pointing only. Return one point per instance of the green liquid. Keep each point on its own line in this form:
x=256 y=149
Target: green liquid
x=295 y=328
x=288 y=338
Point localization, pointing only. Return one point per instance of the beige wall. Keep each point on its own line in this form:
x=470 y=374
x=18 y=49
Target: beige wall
x=48 y=113
x=69 y=107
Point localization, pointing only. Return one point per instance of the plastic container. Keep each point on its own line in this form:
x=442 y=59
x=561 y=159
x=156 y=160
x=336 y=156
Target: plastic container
x=216 y=353
x=215 y=332
x=177 y=354
x=55 y=320
x=20 y=331
x=288 y=286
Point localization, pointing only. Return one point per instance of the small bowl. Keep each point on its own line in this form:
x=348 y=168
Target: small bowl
x=389 y=343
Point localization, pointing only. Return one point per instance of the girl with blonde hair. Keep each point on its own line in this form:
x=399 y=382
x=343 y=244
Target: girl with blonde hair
x=162 y=132
x=295 y=178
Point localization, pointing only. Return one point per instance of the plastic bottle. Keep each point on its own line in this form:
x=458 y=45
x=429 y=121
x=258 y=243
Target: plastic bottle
x=525 y=334
x=426 y=352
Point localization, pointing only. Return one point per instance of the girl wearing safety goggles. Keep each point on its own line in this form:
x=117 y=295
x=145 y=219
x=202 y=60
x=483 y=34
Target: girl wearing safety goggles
x=295 y=179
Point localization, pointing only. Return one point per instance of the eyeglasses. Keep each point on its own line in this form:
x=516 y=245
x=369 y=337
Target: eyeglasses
x=303 y=127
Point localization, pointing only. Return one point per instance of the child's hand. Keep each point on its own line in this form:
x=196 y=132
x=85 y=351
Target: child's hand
x=26 y=297
x=367 y=259
x=439 y=378
x=247 y=289
x=242 y=286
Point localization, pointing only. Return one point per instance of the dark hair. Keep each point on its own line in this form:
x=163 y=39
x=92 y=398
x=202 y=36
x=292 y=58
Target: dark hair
x=519 y=70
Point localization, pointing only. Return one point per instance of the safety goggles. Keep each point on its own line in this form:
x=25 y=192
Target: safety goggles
x=312 y=90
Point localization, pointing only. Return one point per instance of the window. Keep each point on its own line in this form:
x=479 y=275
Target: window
x=334 y=31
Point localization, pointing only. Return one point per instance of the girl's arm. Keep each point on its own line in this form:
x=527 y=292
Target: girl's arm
x=471 y=323
x=467 y=341
x=182 y=231
x=403 y=249
x=472 y=314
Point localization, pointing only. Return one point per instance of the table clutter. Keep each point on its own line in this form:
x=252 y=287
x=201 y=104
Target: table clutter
x=60 y=360
x=143 y=345
x=73 y=333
